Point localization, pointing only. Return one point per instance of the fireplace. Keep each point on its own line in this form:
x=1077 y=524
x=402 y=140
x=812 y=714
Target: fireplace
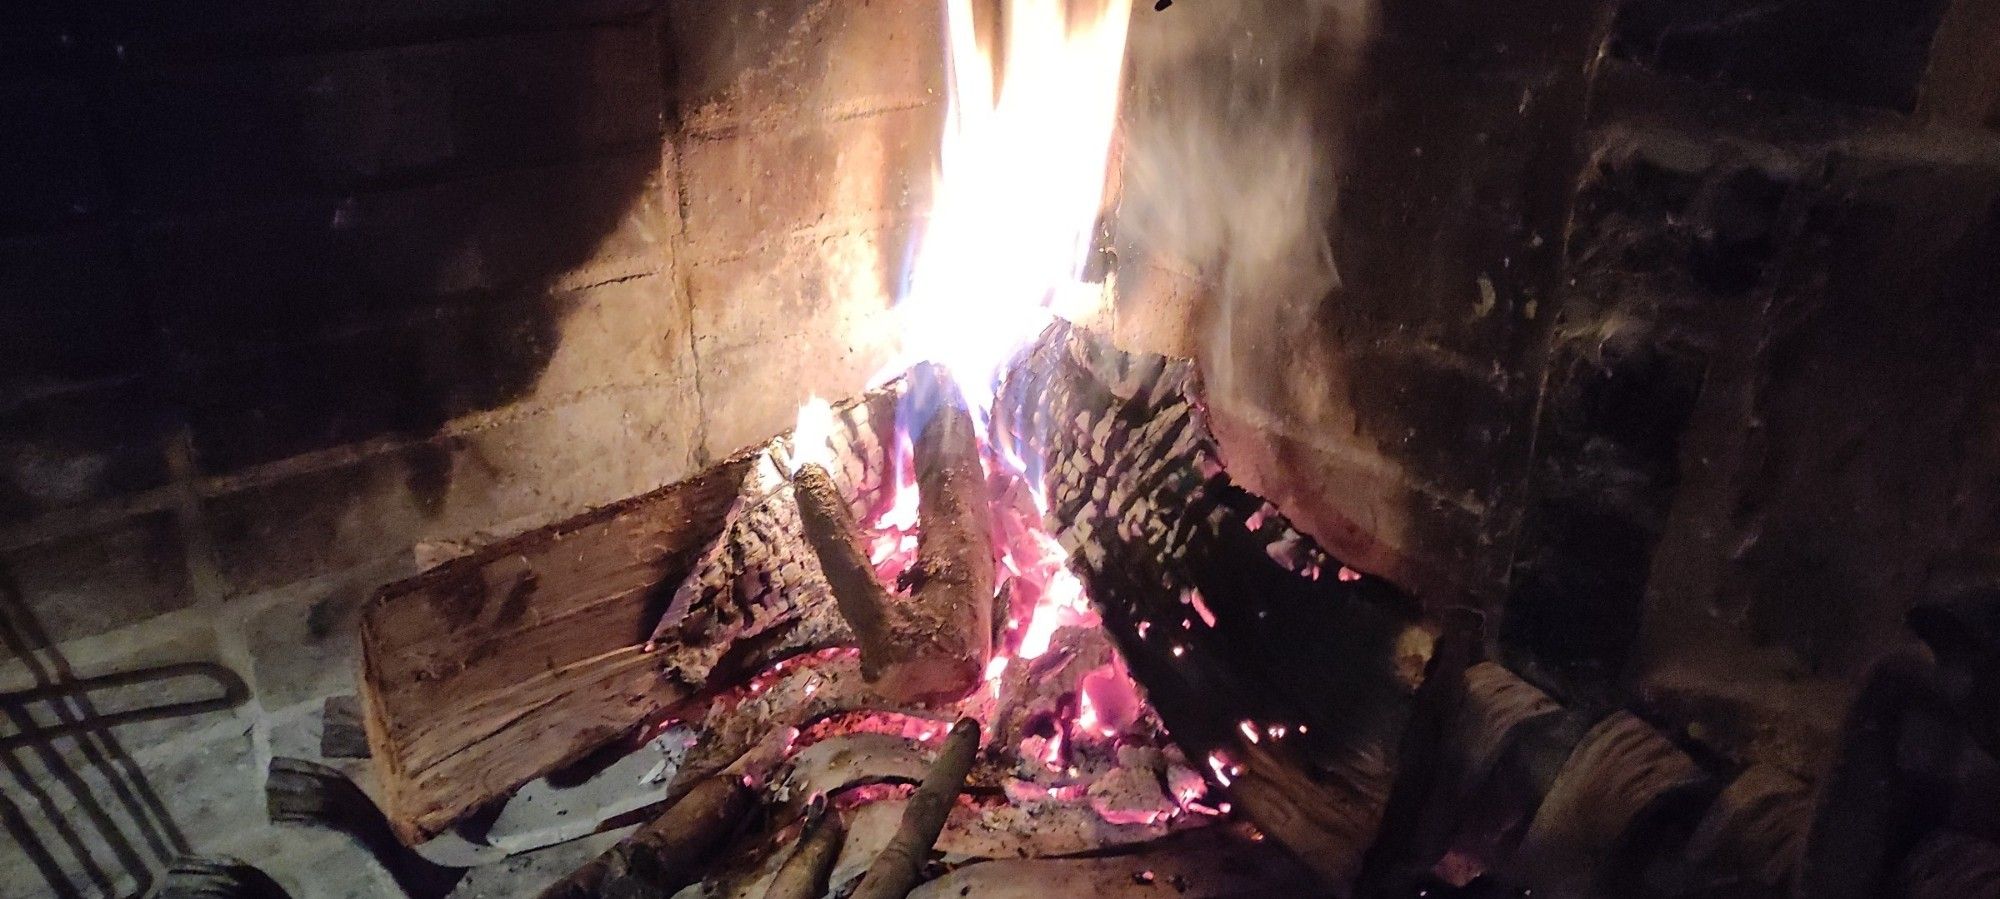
x=1446 y=450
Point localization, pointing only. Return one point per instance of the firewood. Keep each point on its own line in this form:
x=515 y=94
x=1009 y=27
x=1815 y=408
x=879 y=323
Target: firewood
x=804 y=873
x=1212 y=862
x=953 y=574
x=933 y=644
x=498 y=667
x=667 y=854
x=896 y=871
x=1314 y=660
x=672 y=851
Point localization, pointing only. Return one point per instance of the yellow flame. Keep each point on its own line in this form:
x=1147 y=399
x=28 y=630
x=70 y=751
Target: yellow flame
x=812 y=435
x=1022 y=173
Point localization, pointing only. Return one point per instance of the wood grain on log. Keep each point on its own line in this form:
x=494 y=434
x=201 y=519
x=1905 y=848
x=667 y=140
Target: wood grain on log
x=1622 y=766
x=496 y=668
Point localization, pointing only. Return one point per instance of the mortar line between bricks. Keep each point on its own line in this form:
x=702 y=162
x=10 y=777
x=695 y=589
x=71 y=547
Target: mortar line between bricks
x=735 y=129
x=64 y=522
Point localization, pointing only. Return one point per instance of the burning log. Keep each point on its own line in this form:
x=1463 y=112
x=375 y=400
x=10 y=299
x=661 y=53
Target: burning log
x=934 y=644
x=901 y=864
x=668 y=853
x=671 y=852
x=804 y=874
x=1242 y=630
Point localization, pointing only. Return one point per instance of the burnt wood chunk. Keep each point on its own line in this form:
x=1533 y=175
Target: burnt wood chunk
x=217 y=877
x=1287 y=673
x=900 y=865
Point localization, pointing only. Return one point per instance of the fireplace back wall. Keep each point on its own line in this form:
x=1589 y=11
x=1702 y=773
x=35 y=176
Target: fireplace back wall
x=301 y=299
x=1666 y=336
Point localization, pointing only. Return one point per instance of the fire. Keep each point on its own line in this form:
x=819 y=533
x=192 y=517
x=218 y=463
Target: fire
x=1021 y=180
x=1023 y=159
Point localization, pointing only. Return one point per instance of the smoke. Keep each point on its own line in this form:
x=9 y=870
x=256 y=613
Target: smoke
x=1230 y=156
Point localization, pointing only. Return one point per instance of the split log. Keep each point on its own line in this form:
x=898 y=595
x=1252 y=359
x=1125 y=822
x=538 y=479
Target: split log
x=496 y=668
x=896 y=871
x=804 y=873
x=672 y=850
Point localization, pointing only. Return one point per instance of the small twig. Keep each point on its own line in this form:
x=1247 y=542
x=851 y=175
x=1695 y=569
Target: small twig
x=804 y=873
x=897 y=869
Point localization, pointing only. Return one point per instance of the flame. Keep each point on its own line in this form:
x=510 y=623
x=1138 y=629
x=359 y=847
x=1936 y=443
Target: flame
x=1022 y=174
x=812 y=435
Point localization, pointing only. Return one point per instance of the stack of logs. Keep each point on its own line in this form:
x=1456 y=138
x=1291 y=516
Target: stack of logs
x=1370 y=738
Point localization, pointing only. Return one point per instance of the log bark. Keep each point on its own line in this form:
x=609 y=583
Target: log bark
x=896 y=871
x=804 y=873
x=1316 y=661
x=932 y=644
x=667 y=854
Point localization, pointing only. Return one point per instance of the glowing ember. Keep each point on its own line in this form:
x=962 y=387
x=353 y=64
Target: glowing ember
x=1015 y=205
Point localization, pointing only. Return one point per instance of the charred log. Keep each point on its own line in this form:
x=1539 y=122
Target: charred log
x=804 y=873
x=932 y=644
x=900 y=865
x=1239 y=627
x=670 y=852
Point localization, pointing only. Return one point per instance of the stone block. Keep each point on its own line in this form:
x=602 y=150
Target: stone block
x=752 y=67
x=199 y=135
x=410 y=381
x=49 y=162
x=183 y=636
x=101 y=828
x=1849 y=51
x=1455 y=423
x=70 y=314
x=806 y=317
x=70 y=449
x=1668 y=228
x=536 y=465
x=761 y=186
x=182 y=27
x=87 y=583
x=382 y=258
